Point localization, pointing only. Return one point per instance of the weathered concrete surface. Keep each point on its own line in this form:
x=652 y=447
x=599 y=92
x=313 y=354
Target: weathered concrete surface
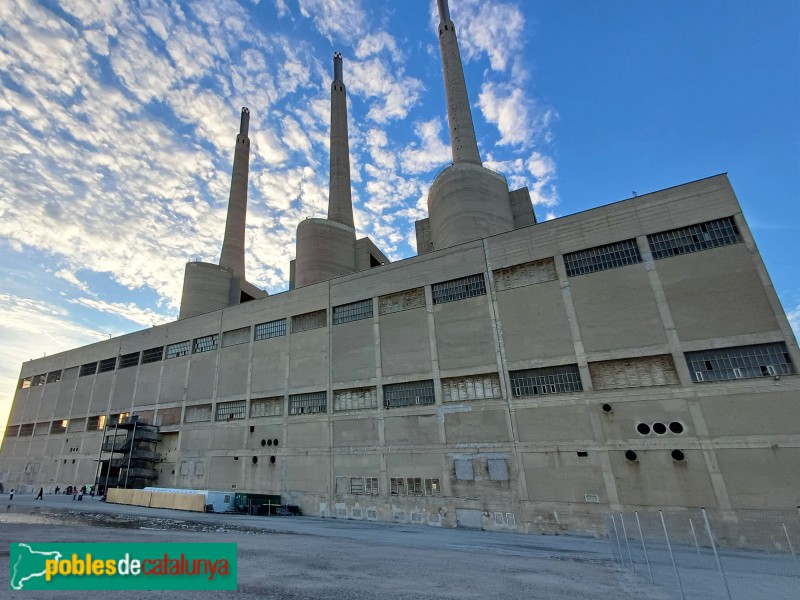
x=308 y=558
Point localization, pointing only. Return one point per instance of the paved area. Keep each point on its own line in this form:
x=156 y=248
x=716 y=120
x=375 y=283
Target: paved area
x=300 y=558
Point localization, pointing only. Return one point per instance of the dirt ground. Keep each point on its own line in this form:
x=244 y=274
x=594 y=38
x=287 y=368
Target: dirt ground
x=305 y=558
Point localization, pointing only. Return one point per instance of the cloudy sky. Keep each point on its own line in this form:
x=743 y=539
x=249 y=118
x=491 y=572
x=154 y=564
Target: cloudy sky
x=118 y=122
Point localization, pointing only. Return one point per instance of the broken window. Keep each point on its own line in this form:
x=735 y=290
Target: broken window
x=229 y=411
x=408 y=394
x=433 y=487
x=314 y=402
x=601 y=258
x=354 y=311
x=357 y=485
x=397 y=486
x=371 y=486
x=414 y=486
x=459 y=289
x=177 y=349
x=711 y=234
x=740 y=362
x=546 y=380
x=205 y=343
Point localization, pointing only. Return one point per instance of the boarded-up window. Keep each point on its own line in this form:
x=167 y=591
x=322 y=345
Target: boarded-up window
x=76 y=425
x=266 y=407
x=169 y=416
x=236 y=336
x=42 y=428
x=355 y=399
x=71 y=373
x=546 y=380
x=464 y=469
x=528 y=273
x=312 y=320
x=401 y=301
x=498 y=469
x=645 y=371
x=197 y=414
x=471 y=387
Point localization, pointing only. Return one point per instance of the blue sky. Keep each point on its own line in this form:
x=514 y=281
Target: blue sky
x=118 y=122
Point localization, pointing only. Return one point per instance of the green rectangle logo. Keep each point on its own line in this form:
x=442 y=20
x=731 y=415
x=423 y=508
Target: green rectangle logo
x=115 y=566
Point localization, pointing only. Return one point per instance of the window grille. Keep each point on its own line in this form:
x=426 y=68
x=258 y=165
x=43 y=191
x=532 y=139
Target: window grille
x=71 y=373
x=129 y=360
x=355 y=311
x=24 y=383
x=397 y=485
x=109 y=364
x=118 y=418
x=498 y=518
x=25 y=429
x=458 y=289
x=177 y=349
x=88 y=369
x=302 y=404
x=498 y=469
x=357 y=486
x=97 y=423
x=152 y=355
x=511 y=519
x=308 y=321
x=433 y=487
x=464 y=469
x=270 y=329
x=59 y=426
x=235 y=337
x=37 y=380
x=740 y=362
x=54 y=376
x=414 y=486
x=408 y=394
x=694 y=238
x=602 y=258
x=546 y=380
x=266 y=407
x=229 y=411
x=371 y=486
x=205 y=343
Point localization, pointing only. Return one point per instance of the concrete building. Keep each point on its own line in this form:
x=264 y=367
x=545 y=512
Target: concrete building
x=513 y=375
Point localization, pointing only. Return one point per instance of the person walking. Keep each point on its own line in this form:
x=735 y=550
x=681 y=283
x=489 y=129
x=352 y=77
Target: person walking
x=56 y=492
x=40 y=494
x=11 y=495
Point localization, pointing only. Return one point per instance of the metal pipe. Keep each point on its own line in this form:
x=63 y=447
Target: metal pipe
x=621 y=557
x=130 y=453
x=625 y=535
x=786 y=533
x=646 y=558
x=100 y=456
x=111 y=458
x=672 y=556
x=695 y=537
x=716 y=556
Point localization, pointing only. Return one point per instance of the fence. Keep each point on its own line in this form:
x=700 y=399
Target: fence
x=703 y=554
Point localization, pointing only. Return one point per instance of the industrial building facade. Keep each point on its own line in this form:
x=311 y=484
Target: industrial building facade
x=533 y=376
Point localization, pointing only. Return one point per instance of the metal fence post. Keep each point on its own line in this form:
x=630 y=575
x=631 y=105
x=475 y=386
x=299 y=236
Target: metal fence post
x=625 y=535
x=672 y=556
x=695 y=537
x=646 y=558
x=786 y=533
x=621 y=558
x=716 y=556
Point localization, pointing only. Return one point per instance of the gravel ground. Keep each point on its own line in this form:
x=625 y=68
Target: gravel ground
x=305 y=558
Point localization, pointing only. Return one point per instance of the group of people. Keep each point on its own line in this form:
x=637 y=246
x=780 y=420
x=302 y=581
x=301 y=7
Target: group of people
x=77 y=493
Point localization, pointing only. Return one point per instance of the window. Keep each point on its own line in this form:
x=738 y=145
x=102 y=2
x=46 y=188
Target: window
x=354 y=311
x=71 y=373
x=129 y=360
x=266 y=407
x=307 y=321
x=24 y=383
x=229 y=411
x=529 y=273
x=464 y=469
x=152 y=355
x=546 y=380
x=236 y=336
x=25 y=429
x=270 y=329
x=109 y=364
x=711 y=234
x=198 y=413
x=602 y=258
x=371 y=486
x=205 y=343
x=397 y=486
x=117 y=419
x=88 y=369
x=54 y=376
x=433 y=487
x=357 y=486
x=458 y=289
x=740 y=362
x=177 y=349
x=408 y=394
x=97 y=423
x=314 y=402
x=414 y=486
x=37 y=380
x=59 y=426
x=498 y=469
x=355 y=399
x=471 y=387
x=401 y=301
x=643 y=371
x=12 y=431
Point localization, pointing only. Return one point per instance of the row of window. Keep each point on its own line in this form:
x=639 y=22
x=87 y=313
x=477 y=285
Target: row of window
x=711 y=234
x=95 y=423
x=719 y=364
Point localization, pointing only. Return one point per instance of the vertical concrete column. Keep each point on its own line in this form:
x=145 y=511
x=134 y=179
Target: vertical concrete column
x=232 y=255
x=340 y=202
x=459 y=116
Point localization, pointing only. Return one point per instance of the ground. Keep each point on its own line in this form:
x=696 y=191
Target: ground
x=299 y=558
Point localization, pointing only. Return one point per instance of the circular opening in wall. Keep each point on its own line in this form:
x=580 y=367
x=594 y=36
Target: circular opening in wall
x=275 y=442
x=659 y=428
x=676 y=427
x=255 y=460
x=678 y=456
x=272 y=460
x=606 y=408
x=263 y=442
x=643 y=428
x=269 y=442
x=630 y=455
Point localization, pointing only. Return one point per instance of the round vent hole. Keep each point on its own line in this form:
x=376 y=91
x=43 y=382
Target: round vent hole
x=643 y=428
x=630 y=455
x=659 y=428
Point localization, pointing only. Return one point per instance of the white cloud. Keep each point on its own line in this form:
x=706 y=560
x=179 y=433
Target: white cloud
x=432 y=152
x=335 y=19
x=794 y=320
x=126 y=310
x=394 y=92
x=375 y=43
x=510 y=111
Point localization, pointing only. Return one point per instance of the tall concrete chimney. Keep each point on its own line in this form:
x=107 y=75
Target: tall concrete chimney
x=232 y=256
x=462 y=132
x=340 y=201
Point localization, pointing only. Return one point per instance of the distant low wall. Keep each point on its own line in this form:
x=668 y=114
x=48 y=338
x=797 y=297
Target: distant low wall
x=193 y=502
